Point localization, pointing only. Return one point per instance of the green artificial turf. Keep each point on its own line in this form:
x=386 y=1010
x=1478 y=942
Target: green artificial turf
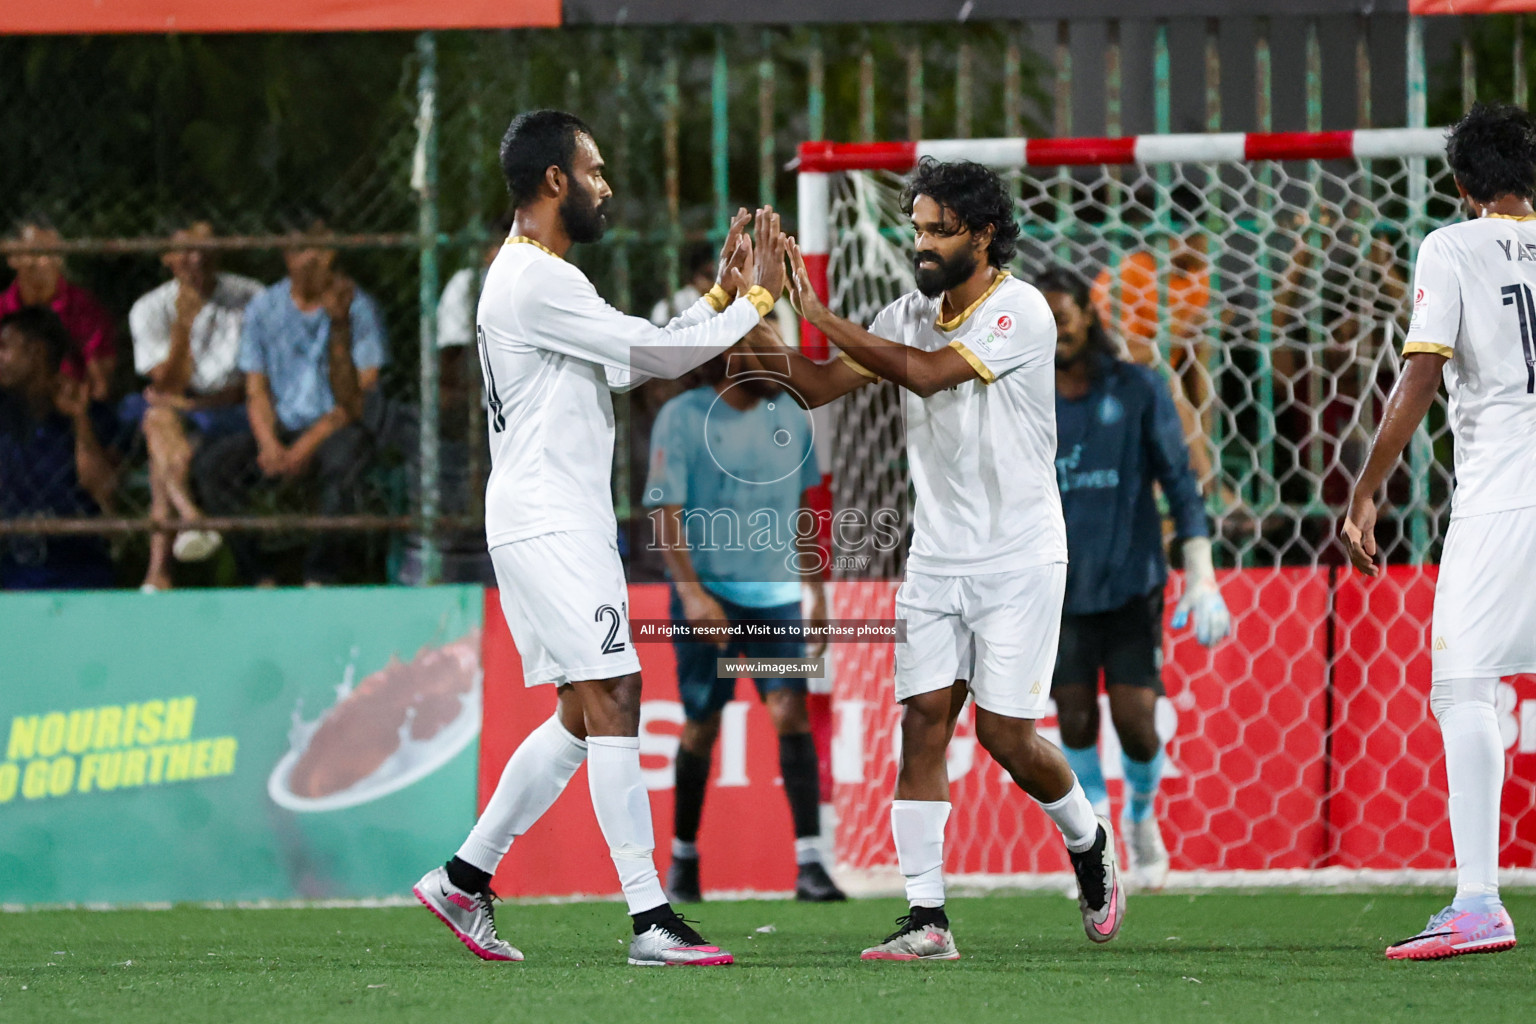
x=1273 y=956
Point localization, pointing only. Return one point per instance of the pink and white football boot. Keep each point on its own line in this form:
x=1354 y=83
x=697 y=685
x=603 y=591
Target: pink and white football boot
x=1455 y=932
x=467 y=914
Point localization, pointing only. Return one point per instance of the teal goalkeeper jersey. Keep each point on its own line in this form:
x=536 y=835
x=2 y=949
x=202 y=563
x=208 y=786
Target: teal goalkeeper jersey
x=740 y=478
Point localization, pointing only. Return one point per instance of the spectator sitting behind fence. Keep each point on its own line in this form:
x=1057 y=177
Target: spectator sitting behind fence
x=54 y=459
x=310 y=347
x=40 y=281
x=186 y=341
x=702 y=268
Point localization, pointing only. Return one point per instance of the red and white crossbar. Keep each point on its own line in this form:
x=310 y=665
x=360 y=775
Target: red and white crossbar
x=817 y=160
x=1227 y=147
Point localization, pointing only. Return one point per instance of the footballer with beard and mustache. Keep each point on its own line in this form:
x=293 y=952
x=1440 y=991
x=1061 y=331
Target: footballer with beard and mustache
x=552 y=352
x=974 y=348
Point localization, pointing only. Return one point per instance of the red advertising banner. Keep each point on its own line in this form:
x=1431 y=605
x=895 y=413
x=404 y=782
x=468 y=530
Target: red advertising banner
x=70 y=17
x=746 y=841
x=1470 y=6
x=1276 y=759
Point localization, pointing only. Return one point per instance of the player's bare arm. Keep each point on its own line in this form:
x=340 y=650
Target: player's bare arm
x=1411 y=397
x=922 y=373
x=810 y=383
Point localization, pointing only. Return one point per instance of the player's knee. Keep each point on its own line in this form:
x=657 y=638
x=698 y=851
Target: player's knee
x=1006 y=738
x=1079 y=721
x=786 y=708
x=698 y=738
x=1445 y=694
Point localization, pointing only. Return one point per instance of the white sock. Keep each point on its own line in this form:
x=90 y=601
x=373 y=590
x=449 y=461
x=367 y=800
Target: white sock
x=918 y=828
x=624 y=814
x=536 y=773
x=1073 y=814
x=808 y=850
x=1474 y=771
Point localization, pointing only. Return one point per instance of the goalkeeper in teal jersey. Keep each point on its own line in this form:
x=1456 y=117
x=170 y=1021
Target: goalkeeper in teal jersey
x=1118 y=433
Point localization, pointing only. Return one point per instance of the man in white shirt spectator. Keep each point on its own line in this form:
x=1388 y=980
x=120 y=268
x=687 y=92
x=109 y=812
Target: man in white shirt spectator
x=701 y=278
x=186 y=340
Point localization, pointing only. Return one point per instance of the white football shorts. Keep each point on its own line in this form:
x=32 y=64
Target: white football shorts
x=567 y=605
x=1485 y=597
x=997 y=630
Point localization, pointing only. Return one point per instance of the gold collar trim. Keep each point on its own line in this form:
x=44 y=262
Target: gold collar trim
x=951 y=325
x=525 y=240
x=1505 y=216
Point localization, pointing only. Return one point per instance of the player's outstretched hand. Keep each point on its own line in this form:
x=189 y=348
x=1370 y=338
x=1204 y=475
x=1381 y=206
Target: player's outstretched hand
x=739 y=272
x=802 y=294
x=1359 y=535
x=729 y=249
x=769 y=248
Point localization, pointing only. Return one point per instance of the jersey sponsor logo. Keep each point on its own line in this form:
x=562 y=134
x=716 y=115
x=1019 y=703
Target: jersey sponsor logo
x=1000 y=331
x=1440 y=644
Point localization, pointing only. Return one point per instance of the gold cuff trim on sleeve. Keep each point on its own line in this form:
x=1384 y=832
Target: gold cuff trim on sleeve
x=986 y=375
x=864 y=370
x=1414 y=347
x=760 y=297
x=718 y=298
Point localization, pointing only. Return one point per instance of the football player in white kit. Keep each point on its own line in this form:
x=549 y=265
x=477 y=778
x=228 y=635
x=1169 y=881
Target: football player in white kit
x=975 y=349
x=1474 y=324
x=551 y=351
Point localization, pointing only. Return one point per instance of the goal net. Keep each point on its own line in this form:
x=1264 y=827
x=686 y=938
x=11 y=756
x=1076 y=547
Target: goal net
x=1267 y=276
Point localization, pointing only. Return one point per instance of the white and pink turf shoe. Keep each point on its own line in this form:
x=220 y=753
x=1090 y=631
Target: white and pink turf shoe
x=1455 y=932
x=1100 y=894
x=915 y=939
x=674 y=944
x=468 y=915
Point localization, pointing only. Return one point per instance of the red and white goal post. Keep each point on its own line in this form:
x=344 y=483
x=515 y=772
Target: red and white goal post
x=1301 y=750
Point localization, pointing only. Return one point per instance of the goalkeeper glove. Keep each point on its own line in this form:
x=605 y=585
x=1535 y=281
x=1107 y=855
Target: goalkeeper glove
x=1201 y=595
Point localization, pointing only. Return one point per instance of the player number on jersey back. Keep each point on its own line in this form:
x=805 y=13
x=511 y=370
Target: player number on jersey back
x=493 y=401
x=1519 y=296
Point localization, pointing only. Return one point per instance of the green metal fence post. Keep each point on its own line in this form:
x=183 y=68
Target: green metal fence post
x=767 y=171
x=1421 y=454
x=1267 y=491
x=426 y=172
x=720 y=136
x=671 y=100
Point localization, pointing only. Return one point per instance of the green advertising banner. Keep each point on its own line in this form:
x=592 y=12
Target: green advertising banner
x=235 y=745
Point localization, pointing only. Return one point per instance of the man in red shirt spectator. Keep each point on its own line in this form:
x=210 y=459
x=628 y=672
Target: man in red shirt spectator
x=40 y=281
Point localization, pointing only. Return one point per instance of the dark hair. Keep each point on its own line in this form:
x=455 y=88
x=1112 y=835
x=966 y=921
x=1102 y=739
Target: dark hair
x=974 y=194
x=1060 y=279
x=1492 y=152
x=701 y=255
x=535 y=142
x=41 y=324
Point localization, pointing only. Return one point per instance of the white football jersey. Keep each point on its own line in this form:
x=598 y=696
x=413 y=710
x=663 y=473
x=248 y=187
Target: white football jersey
x=1474 y=290
x=552 y=351
x=982 y=454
